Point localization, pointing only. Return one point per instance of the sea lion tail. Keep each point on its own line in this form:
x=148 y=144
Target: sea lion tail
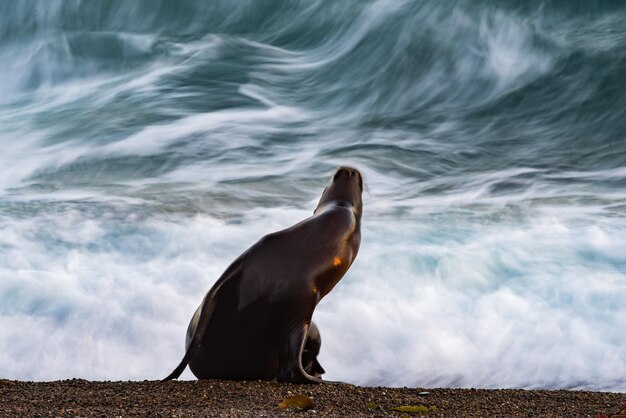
x=205 y=314
x=208 y=305
x=181 y=367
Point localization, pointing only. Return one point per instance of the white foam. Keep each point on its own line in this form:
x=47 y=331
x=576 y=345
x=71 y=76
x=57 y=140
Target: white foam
x=535 y=304
x=503 y=307
x=510 y=53
x=153 y=139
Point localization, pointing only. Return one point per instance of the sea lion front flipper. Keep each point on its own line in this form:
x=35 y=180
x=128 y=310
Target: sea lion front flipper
x=316 y=369
x=208 y=305
x=311 y=350
x=291 y=369
x=312 y=366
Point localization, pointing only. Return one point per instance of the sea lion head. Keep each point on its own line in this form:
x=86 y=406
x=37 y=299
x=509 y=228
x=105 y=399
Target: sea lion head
x=345 y=189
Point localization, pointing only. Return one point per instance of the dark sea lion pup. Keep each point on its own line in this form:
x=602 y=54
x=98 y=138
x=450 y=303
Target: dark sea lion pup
x=255 y=322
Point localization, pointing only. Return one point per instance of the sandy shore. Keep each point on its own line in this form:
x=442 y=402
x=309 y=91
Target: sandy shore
x=256 y=399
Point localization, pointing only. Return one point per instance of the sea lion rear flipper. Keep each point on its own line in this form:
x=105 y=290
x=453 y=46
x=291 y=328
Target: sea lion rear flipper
x=208 y=305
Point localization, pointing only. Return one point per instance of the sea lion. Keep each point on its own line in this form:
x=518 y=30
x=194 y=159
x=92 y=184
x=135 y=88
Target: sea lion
x=255 y=322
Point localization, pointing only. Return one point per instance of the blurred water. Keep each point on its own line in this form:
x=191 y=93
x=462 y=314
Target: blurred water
x=145 y=145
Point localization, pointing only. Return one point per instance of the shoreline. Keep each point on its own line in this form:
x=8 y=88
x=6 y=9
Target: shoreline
x=78 y=397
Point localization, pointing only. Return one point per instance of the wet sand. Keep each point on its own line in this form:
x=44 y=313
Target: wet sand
x=72 y=398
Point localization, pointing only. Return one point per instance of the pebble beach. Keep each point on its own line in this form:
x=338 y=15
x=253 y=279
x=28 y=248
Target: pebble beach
x=81 y=398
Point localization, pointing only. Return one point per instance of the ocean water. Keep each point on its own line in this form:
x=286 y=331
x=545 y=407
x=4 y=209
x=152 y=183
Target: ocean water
x=144 y=145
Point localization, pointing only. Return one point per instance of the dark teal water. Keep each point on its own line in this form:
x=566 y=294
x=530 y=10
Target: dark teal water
x=145 y=144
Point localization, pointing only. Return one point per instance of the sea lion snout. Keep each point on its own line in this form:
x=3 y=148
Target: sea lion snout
x=344 y=190
x=349 y=172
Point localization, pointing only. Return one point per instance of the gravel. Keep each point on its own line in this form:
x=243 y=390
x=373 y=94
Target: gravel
x=212 y=398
